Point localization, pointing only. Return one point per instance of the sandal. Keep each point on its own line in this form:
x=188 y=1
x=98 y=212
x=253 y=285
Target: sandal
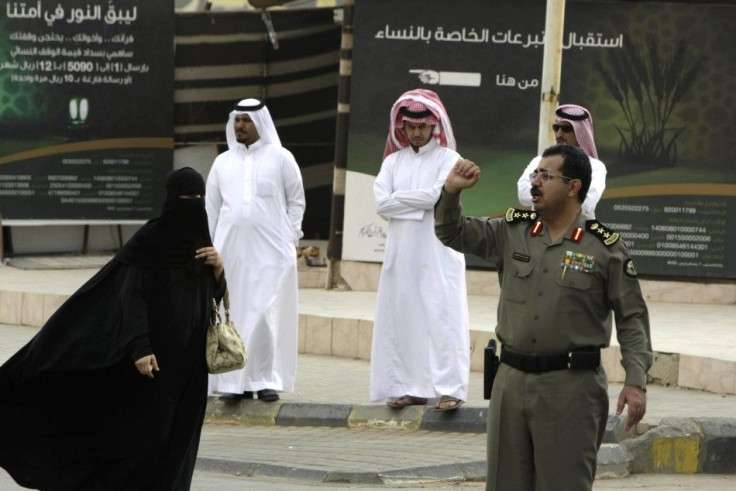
x=447 y=403
x=406 y=400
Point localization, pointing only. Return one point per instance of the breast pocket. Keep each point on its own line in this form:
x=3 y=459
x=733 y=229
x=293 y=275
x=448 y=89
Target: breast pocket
x=265 y=189
x=576 y=295
x=518 y=282
x=575 y=280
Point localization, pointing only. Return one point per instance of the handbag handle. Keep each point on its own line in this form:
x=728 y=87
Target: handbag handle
x=226 y=303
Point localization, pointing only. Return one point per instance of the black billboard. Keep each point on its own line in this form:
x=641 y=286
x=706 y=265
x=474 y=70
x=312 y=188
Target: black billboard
x=86 y=108
x=659 y=79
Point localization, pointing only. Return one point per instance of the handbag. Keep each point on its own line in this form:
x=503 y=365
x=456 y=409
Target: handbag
x=225 y=348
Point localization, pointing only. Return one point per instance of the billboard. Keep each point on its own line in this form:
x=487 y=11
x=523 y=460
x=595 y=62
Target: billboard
x=86 y=108
x=658 y=78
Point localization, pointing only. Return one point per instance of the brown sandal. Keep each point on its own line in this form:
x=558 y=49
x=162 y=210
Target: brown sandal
x=406 y=400
x=447 y=403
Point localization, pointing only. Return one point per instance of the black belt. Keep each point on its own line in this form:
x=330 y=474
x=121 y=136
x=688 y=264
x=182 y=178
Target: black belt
x=585 y=359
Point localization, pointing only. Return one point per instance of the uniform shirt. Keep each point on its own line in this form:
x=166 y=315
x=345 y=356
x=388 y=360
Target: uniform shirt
x=556 y=297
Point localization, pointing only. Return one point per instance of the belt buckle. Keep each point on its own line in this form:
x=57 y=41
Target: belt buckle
x=526 y=364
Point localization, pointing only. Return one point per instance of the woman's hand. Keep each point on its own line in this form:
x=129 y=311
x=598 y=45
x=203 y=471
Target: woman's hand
x=147 y=365
x=213 y=258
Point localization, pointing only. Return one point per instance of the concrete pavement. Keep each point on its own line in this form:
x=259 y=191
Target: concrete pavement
x=328 y=431
x=316 y=434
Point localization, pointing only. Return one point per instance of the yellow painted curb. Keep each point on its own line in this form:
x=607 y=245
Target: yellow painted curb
x=675 y=455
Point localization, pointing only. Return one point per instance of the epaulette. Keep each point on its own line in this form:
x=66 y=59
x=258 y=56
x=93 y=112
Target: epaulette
x=606 y=235
x=519 y=216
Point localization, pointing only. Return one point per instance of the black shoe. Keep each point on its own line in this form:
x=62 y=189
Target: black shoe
x=236 y=397
x=268 y=395
x=230 y=398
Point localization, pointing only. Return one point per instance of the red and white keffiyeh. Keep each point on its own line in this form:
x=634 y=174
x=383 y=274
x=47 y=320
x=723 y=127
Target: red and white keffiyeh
x=582 y=124
x=419 y=106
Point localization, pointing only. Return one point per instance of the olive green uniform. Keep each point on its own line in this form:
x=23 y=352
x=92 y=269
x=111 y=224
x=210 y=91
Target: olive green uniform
x=544 y=429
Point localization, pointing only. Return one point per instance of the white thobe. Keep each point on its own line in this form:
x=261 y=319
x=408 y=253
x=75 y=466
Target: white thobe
x=255 y=204
x=421 y=332
x=597 y=185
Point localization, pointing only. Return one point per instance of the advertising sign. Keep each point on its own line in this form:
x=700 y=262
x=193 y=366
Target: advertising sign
x=659 y=80
x=86 y=108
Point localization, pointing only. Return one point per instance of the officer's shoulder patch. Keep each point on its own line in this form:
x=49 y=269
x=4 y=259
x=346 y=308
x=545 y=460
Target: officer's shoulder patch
x=630 y=269
x=521 y=216
x=605 y=234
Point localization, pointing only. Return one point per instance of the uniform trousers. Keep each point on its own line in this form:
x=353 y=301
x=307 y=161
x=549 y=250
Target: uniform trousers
x=544 y=429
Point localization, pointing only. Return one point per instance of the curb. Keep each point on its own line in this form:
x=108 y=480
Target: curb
x=676 y=446
x=463 y=472
x=685 y=446
x=254 y=412
x=466 y=419
x=257 y=469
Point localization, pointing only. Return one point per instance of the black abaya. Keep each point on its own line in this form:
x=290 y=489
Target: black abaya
x=75 y=413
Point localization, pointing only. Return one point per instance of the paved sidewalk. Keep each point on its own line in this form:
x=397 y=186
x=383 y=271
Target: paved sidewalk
x=330 y=390
x=320 y=454
x=705 y=330
x=388 y=455
x=701 y=330
x=335 y=380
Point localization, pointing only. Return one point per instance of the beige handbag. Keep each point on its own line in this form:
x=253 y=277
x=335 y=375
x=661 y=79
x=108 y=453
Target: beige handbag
x=225 y=348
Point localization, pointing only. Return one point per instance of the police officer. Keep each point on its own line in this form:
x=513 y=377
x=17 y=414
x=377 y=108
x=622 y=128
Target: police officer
x=561 y=276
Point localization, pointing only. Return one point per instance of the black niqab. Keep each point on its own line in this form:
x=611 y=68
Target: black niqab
x=170 y=240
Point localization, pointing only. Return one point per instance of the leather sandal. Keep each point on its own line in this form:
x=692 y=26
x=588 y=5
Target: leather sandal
x=406 y=400
x=447 y=403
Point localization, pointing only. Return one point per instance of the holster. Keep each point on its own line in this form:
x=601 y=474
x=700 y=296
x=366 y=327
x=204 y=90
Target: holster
x=490 y=367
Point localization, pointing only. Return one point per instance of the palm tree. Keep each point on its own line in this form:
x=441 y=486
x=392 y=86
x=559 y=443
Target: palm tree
x=647 y=86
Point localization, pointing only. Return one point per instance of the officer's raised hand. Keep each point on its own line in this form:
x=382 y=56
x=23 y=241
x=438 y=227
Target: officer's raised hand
x=462 y=176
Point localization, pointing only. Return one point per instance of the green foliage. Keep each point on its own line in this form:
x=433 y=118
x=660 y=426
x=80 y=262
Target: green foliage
x=648 y=84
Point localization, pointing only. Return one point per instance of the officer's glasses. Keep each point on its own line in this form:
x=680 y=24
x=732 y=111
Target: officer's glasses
x=547 y=176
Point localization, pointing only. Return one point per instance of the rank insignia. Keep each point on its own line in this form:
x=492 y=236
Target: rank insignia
x=518 y=216
x=536 y=228
x=630 y=269
x=606 y=235
x=577 y=235
x=577 y=261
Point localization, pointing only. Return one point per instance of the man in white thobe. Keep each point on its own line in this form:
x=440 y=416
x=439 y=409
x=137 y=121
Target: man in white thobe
x=255 y=204
x=421 y=347
x=573 y=126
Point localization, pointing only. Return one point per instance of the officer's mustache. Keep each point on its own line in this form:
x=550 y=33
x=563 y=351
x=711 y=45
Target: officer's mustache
x=535 y=192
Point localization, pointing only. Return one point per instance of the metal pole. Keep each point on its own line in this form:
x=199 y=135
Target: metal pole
x=2 y=242
x=551 y=71
x=337 y=215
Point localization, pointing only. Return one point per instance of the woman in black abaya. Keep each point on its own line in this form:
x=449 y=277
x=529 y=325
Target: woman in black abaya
x=111 y=392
